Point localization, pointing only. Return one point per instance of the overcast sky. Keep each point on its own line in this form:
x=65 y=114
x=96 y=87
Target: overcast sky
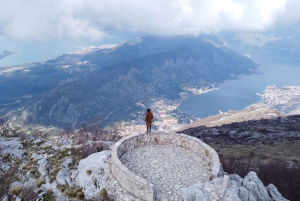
x=61 y=25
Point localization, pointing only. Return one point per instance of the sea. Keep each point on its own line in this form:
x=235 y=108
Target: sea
x=277 y=67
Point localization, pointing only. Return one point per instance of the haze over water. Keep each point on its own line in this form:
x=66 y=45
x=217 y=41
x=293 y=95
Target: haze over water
x=277 y=69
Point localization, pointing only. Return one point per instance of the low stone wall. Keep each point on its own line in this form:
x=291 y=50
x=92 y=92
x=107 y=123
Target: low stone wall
x=139 y=186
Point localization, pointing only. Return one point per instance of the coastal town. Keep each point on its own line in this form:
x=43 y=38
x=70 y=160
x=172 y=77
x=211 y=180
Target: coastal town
x=284 y=99
x=166 y=118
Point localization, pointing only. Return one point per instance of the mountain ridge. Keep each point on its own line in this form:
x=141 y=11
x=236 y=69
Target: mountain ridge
x=154 y=67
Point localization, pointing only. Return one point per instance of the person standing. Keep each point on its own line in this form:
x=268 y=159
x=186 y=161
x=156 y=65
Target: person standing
x=148 y=119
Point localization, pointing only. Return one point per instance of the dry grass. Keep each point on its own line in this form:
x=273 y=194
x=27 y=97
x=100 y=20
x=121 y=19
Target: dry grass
x=16 y=190
x=54 y=171
x=49 y=196
x=46 y=147
x=29 y=193
x=40 y=181
x=71 y=192
x=103 y=195
x=89 y=172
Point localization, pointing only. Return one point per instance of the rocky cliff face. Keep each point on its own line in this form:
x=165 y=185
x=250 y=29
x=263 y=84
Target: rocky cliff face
x=105 y=80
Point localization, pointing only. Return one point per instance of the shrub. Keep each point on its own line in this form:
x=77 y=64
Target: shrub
x=28 y=193
x=103 y=195
x=238 y=166
x=40 y=181
x=251 y=154
x=39 y=191
x=61 y=187
x=72 y=192
x=16 y=190
x=21 y=135
x=286 y=179
x=83 y=151
x=52 y=178
x=49 y=196
x=46 y=147
x=63 y=153
x=77 y=189
x=80 y=195
x=69 y=192
x=35 y=172
x=82 y=140
x=6 y=178
x=5 y=156
x=25 y=166
x=54 y=171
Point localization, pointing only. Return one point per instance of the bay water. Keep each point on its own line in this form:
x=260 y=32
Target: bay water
x=280 y=69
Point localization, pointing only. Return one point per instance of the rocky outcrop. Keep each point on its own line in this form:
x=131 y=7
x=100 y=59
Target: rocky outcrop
x=194 y=193
x=3 y=166
x=250 y=188
x=90 y=175
x=13 y=147
x=63 y=177
x=255 y=186
x=246 y=195
x=275 y=195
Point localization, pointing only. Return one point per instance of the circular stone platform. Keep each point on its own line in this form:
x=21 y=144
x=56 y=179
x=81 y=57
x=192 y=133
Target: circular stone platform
x=159 y=165
x=169 y=168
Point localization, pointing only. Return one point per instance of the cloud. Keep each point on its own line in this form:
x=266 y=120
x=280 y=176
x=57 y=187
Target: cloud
x=291 y=14
x=6 y=53
x=34 y=20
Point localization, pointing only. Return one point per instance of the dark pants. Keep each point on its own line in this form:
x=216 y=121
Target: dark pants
x=148 y=128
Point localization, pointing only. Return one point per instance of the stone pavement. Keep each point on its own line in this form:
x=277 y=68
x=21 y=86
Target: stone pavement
x=169 y=168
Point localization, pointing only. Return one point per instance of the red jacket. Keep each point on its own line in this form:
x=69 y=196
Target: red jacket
x=148 y=118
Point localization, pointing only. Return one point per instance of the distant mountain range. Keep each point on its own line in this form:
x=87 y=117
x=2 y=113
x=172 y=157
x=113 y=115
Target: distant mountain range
x=96 y=81
x=280 y=38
